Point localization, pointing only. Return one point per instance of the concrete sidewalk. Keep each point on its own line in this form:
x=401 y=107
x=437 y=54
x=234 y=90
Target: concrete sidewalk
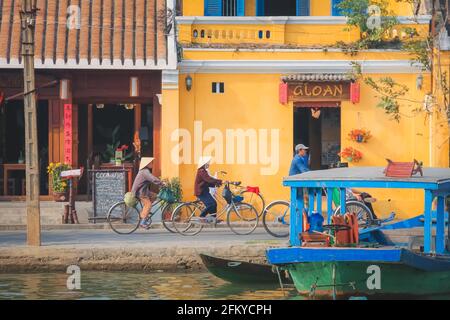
x=151 y=250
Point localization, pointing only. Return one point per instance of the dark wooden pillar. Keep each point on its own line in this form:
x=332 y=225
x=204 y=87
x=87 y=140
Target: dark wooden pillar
x=157 y=136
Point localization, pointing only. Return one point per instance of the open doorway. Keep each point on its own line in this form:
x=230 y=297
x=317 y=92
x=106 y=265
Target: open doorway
x=12 y=151
x=321 y=133
x=104 y=127
x=274 y=8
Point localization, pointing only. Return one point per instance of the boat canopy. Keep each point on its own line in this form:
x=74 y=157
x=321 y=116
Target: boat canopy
x=435 y=183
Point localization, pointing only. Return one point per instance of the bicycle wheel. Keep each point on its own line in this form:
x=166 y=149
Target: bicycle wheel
x=183 y=219
x=276 y=219
x=166 y=216
x=242 y=218
x=363 y=213
x=255 y=199
x=123 y=219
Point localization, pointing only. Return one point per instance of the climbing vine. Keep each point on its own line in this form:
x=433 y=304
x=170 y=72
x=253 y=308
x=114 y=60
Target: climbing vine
x=378 y=28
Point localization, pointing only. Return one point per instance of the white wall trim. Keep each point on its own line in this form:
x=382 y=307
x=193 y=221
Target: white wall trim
x=295 y=66
x=322 y=50
x=170 y=79
x=319 y=20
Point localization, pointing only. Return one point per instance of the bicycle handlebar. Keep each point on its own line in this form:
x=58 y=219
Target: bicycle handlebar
x=234 y=183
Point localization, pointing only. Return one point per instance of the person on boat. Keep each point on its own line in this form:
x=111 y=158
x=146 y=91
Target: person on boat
x=142 y=189
x=300 y=163
x=204 y=181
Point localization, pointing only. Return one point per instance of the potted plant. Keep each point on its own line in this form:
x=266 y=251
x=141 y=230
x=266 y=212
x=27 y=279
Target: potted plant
x=171 y=191
x=360 y=135
x=121 y=154
x=59 y=186
x=351 y=155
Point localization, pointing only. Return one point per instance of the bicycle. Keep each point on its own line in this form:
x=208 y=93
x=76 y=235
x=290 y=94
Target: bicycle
x=126 y=220
x=276 y=216
x=242 y=218
x=251 y=195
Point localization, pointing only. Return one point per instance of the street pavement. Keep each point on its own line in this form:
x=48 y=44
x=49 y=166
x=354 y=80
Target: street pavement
x=108 y=238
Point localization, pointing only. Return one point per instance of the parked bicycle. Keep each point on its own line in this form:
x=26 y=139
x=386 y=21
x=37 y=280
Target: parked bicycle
x=276 y=216
x=125 y=220
x=251 y=195
x=242 y=218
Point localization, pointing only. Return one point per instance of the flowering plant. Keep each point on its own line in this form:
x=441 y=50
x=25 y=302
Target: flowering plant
x=54 y=170
x=351 y=155
x=359 y=135
x=122 y=148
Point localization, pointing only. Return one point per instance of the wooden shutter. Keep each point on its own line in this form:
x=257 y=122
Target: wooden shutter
x=213 y=7
x=240 y=12
x=335 y=11
x=303 y=7
x=260 y=7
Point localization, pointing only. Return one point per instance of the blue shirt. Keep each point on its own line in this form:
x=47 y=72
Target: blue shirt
x=299 y=165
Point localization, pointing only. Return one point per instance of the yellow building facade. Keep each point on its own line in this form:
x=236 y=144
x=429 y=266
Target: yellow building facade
x=228 y=100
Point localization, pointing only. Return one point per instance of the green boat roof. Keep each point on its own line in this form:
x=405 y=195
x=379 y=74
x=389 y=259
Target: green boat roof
x=431 y=175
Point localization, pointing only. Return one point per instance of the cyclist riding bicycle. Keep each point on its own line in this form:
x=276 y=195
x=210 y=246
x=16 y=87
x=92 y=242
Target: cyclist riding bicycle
x=204 y=181
x=141 y=188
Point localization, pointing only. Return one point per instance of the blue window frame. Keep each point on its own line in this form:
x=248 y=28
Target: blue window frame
x=213 y=7
x=260 y=8
x=303 y=7
x=225 y=8
x=335 y=11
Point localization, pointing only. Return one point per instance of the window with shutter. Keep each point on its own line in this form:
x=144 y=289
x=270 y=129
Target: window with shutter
x=260 y=7
x=213 y=7
x=335 y=11
x=303 y=7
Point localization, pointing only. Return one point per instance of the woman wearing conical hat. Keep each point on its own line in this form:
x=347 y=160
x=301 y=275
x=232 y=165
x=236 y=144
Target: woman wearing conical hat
x=204 y=181
x=141 y=189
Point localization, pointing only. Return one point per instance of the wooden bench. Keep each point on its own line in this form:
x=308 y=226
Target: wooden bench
x=403 y=169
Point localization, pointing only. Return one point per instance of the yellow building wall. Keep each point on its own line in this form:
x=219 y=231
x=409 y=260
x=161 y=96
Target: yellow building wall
x=251 y=102
x=317 y=8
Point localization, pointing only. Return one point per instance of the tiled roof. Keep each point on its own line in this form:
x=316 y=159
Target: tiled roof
x=316 y=77
x=114 y=34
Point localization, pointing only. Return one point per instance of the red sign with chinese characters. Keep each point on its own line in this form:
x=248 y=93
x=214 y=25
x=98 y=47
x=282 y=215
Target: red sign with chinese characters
x=68 y=139
x=283 y=93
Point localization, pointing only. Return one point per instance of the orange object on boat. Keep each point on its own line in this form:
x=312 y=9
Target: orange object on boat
x=342 y=236
x=306 y=225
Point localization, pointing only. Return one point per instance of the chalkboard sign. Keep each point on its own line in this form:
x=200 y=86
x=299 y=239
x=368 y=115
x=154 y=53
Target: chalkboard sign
x=108 y=188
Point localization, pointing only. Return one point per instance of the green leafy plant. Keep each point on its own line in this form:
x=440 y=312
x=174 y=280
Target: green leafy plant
x=174 y=188
x=110 y=152
x=54 y=171
x=389 y=91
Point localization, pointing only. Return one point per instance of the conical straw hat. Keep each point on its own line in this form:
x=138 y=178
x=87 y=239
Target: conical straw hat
x=203 y=161
x=145 y=162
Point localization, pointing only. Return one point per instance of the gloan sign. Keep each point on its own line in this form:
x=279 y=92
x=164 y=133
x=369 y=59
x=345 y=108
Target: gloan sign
x=319 y=91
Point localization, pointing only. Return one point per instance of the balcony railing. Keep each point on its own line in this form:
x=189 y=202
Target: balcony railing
x=278 y=31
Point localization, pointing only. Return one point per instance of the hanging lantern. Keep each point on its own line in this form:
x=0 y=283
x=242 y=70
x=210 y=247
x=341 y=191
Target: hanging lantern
x=316 y=112
x=355 y=92
x=283 y=93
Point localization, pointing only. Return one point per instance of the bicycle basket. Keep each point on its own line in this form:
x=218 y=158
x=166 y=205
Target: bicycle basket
x=227 y=195
x=130 y=200
x=166 y=195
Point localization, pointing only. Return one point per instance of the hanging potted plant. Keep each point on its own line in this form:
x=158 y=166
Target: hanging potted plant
x=360 y=135
x=59 y=186
x=351 y=155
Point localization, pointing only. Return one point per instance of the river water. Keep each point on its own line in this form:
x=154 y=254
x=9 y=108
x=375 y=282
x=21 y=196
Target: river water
x=134 y=286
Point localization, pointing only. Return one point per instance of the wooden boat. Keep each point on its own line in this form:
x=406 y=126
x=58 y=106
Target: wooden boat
x=244 y=272
x=382 y=271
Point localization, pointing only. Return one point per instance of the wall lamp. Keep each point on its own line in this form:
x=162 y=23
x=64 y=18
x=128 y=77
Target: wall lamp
x=419 y=82
x=188 y=83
